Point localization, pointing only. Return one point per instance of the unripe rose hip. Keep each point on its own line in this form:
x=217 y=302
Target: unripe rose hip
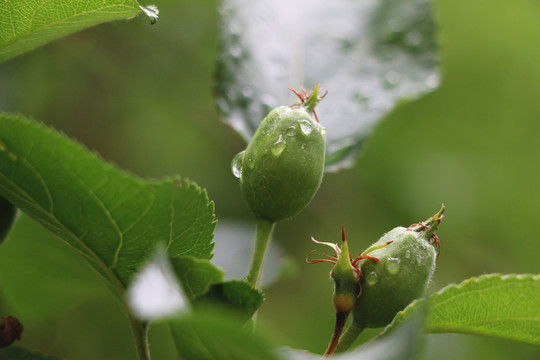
x=282 y=167
x=401 y=275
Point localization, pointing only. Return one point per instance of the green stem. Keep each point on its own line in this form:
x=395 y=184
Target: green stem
x=140 y=335
x=349 y=336
x=264 y=232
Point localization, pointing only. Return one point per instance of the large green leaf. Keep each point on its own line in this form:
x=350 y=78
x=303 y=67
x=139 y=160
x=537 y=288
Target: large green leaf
x=114 y=219
x=27 y=24
x=502 y=306
x=368 y=54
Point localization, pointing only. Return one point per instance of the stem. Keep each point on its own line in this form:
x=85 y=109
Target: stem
x=140 y=335
x=264 y=232
x=349 y=336
x=341 y=319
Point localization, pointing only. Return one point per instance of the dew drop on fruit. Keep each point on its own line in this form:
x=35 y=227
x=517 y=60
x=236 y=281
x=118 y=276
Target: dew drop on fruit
x=372 y=278
x=393 y=265
x=306 y=127
x=291 y=131
x=278 y=146
x=237 y=163
x=323 y=130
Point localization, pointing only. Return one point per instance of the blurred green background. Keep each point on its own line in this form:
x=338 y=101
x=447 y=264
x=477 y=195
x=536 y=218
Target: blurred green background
x=141 y=97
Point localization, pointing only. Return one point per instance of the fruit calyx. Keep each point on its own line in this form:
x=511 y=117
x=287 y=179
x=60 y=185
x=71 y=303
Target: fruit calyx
x=427 y=229
x=309 y=101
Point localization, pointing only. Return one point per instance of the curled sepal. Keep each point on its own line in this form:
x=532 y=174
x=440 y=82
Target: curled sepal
x=346 y=275
x=309 y=101
x=426 y=229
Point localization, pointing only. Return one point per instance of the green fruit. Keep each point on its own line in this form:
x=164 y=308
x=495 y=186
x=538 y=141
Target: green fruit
x=401 y=275
x=282 y=167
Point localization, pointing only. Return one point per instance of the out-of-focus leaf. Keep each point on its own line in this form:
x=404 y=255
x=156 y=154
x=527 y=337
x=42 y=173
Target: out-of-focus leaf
x=209 y=336
x=15 y=353
x=368 y=54
x=7 y=217
x=29 y=24
x=236 y=295
x=114 y=219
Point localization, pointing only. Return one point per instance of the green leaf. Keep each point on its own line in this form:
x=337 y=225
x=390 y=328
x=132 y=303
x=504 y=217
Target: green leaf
x=33 y=261
x=29 y=24
x=195 y=275
x=502 y=306
x=235 y=295
x=7 y=217
x=112 y=218
x=15 y=353
x=210 y=336
x=369 y=55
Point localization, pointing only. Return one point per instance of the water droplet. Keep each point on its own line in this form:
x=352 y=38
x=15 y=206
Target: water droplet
x=278 y=146
x=432 y=81
x=291 y=131
x=306 y=127
x=414 y=38
x=408 y=254
x=236 y=164
x=392 y=78
x=323 y=130
x=393 y=265
x=152 y=12
x=372 y=278
x=247 y=92
x=235 y=51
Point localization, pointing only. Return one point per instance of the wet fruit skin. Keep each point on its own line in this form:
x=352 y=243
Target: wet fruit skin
x=402 y=274
x=283 y=165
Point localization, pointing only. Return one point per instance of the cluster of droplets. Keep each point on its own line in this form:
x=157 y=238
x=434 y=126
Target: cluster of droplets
x=278 y=146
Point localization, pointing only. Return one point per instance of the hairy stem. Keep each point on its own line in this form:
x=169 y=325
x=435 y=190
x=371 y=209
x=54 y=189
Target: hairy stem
x=349 y=336
x=140 y=335
x=264 y=232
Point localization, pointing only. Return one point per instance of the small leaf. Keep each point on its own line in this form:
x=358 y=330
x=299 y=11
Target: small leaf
x=115 y=220
x=369 y=55
x=14 y=353
x=209 y=336
x=29 y=24
x=236 y=295
x=8 y=213
x=503 y=306
x=195 y=275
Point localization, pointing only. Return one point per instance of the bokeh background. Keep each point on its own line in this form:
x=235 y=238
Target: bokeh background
x=141 y=96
